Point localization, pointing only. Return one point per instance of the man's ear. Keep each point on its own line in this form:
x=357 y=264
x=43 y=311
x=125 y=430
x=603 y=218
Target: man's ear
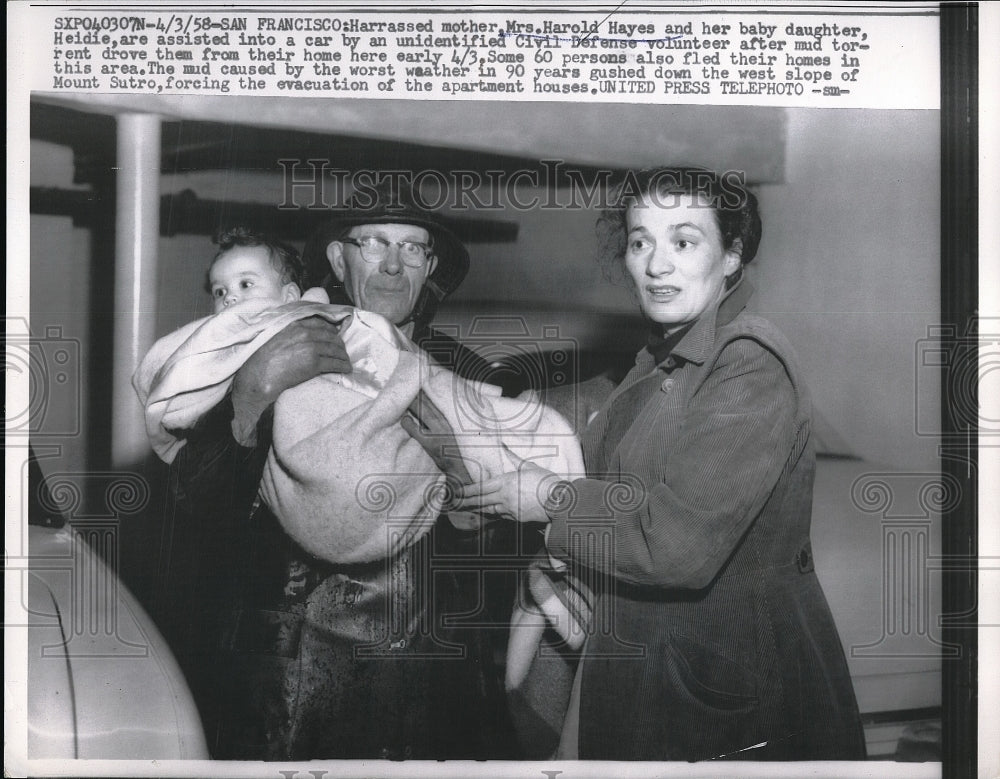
x=432 y=263
x=335 y=255
x=290 y=292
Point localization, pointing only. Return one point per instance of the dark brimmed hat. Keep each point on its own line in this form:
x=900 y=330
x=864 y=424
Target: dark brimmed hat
x=388 y=204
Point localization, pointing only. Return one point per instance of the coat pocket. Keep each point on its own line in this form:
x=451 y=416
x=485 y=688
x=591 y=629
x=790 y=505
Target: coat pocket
x=709 y=678
x=695 y=704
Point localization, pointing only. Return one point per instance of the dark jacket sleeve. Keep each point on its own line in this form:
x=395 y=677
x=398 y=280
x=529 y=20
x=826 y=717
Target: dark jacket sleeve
x=738 y=433
x=212 y=474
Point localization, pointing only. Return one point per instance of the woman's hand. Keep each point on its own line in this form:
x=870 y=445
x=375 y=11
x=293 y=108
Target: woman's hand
x=301 y=351
x=520 y=495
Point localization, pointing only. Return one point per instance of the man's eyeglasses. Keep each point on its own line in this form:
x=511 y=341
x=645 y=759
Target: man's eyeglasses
x=375 y=249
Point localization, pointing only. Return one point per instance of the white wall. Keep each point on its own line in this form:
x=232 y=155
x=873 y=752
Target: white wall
x=849 y=268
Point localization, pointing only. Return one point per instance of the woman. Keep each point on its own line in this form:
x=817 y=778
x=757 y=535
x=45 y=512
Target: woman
x=711 y=636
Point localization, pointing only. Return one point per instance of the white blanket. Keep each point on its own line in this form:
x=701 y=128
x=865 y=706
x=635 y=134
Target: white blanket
x=342 y=476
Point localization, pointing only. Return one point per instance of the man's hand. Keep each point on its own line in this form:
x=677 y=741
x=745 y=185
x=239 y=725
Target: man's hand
x=301 y=351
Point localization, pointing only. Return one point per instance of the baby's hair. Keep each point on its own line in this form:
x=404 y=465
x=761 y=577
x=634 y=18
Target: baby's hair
x=285 y=259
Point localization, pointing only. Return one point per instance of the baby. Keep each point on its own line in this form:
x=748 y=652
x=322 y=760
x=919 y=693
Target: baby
x=253 y=266
x=255 y=282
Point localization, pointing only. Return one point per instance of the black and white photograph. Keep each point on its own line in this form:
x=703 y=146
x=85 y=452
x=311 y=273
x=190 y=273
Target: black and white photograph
x=516 y=390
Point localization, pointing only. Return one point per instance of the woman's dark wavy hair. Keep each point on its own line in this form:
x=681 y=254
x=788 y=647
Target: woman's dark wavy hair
x=734 y=206
x=285 y=259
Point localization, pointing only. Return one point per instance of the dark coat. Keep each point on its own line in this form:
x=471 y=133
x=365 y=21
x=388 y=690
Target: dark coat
x=294 y=658
x=711 y=636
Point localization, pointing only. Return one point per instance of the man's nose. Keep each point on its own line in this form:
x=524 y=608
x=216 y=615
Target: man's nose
x=230 y=299
x=392 y=263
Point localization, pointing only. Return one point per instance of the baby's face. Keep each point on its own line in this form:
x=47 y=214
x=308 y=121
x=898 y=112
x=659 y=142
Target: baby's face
x=246 y=273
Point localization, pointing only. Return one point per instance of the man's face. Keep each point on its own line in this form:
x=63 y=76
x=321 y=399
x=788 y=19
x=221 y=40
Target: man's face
x=389 y=287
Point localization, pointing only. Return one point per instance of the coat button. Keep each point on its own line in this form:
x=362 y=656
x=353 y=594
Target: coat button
x=667 y=385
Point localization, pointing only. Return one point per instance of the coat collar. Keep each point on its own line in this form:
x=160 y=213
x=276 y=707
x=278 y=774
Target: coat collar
x=698 y=340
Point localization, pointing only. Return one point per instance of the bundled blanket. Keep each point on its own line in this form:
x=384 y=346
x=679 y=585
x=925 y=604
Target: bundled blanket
x=189 y=371
x=343 y=477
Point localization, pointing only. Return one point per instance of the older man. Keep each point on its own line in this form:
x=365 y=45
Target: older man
x=312 y=659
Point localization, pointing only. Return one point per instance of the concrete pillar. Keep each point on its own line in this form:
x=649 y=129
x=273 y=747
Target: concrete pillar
x=137 y=236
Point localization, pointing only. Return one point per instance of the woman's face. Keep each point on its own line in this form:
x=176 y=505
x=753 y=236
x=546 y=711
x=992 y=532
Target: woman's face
x=675 y=258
